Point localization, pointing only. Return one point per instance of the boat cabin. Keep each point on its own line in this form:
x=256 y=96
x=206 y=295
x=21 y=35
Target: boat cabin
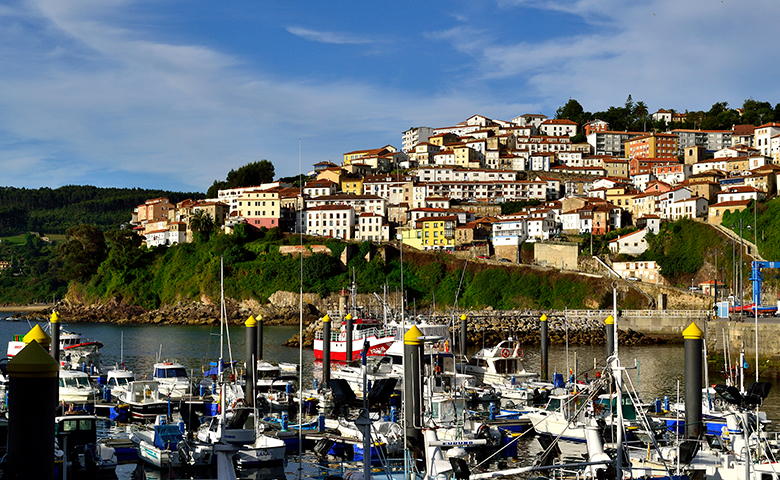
x=169 y=371
x=76 y=430
x=140 y=391
x=119 y=378
x=74 y=379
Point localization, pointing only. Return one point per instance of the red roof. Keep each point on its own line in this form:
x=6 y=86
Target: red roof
x=330 y=207
x=558 y=121
x=733 y=203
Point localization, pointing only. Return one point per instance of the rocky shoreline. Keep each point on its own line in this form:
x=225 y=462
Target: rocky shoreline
x=182 y=313
x=484 y=328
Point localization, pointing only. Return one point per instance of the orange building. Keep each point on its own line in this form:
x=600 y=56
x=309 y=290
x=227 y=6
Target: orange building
x=652 y=145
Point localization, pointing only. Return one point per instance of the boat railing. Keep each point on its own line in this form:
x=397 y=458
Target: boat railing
x=358 y=334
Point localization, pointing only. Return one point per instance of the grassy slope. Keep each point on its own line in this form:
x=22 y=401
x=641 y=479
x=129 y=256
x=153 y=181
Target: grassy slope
x=256 y=269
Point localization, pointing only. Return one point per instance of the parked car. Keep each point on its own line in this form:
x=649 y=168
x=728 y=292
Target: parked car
x=483 y=257
x=505 y=260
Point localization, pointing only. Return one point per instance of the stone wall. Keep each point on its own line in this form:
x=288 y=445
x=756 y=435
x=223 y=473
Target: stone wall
x=559 y=255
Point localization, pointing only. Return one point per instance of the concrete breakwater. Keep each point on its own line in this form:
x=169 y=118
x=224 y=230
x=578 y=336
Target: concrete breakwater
x=486 y=328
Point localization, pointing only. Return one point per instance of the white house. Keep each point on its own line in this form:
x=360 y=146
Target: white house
x=337 y=221
x=762 y=137
x=372 y=227
x=745 y=192
x=646 y=271
x=634 y=243
x=693 y=208
x=558 y=127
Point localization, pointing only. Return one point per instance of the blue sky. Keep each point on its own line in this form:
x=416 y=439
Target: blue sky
x=174 y=93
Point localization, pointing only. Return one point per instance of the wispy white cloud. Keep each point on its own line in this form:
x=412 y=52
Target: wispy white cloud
x=670 y=53
x=320 y=36
x=90 y=97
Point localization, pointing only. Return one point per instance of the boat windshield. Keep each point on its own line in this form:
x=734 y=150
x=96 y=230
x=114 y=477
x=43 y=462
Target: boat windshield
x=178 y=372
x=121 y=381
x=74 y=382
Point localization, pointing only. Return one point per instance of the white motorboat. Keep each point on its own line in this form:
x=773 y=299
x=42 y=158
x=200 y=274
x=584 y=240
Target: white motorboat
x=162 y=445
x=233 y=428
x=75 y=388
x=270 y=377
x=500 y=365
x=173 y=379
x=263 y=451
x=143 y=398
x=117 y=381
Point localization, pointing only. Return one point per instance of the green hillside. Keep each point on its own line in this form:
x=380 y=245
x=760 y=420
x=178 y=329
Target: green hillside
x=48 y=210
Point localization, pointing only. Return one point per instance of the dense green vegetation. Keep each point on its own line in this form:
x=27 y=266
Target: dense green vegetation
x=508 y=208
x=768 y=222
x=688 y=251
x=33 y=275
x=254 y=173
x=48 y=210
x=105 y=266
x=635 y=116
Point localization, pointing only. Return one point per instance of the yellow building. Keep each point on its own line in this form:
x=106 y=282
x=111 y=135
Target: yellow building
x=438 y=233
x=620 y=197
x=334 y=174
x=616 y=167
x=352 y=184
x=356 y=155
x=411 y=237
x=716 y=210
x=466 y=157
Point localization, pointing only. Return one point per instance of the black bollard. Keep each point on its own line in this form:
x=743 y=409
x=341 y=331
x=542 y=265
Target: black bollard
x=325 y=351
x=348 y=350
x=32 y=404
x=413 y=386
x=609 y=328
x=544 y=341
x=251 y=362
x=693 y=384
x=463 y=326
x=259 y=344
x=54 y=324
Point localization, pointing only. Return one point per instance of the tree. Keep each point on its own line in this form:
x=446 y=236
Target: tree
x=573 y=111
x=82 y=252
x=250 y=174
x=757 y=113
x=202 y=224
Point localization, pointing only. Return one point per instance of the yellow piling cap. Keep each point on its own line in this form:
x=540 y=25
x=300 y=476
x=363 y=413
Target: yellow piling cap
x=326 y=318
x=33 y=361
x=412 y=336
x=463 y=316
x=543 y=318
x=36 y=333
x=250 y=322
x=348 y=317
x=692 y=332
x=259 y=318
x=610 y=320
x=55 y=317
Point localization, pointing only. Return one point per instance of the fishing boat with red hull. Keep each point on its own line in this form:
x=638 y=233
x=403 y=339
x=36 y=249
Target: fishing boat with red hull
x=376 y=333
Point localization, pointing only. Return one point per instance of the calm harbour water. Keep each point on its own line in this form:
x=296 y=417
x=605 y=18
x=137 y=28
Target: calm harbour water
x=658 y=370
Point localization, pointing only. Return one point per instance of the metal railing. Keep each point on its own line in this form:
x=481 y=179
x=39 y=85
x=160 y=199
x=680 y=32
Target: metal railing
x=358 y=334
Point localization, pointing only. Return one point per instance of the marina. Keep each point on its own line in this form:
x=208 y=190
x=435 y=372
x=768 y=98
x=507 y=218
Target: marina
x=141 y=364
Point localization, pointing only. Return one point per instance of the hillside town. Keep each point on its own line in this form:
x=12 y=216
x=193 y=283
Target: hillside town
x=447 y=188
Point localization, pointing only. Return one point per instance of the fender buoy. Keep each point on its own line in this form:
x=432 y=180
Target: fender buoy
x=505 y=352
